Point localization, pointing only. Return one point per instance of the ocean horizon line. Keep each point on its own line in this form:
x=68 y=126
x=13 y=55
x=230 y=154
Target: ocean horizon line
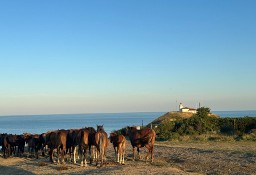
x=16 y=115
x=56 y=114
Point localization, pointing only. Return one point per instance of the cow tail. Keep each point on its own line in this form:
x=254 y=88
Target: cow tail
x=101 y=143
x=82 y=136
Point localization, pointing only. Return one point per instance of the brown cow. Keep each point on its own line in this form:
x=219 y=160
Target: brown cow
x=57 y=140
x=101 y=140
x=92 y=144
x=119 y=144
x=33 y=145
x=71 y=143
x=81 y=140
x=140 y=138
x=6 y=147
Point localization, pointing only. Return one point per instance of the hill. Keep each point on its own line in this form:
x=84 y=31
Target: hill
x=173 y=116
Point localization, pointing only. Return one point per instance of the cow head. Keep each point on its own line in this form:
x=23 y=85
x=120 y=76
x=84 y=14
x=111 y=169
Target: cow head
x=100 y=128
x=112 y=136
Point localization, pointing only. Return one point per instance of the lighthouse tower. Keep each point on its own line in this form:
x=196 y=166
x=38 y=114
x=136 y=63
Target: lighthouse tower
x=181 y=107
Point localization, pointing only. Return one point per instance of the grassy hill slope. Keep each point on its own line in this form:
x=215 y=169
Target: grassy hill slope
x=172 y=116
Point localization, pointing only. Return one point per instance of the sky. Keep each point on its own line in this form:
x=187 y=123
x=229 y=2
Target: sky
x=102 y=56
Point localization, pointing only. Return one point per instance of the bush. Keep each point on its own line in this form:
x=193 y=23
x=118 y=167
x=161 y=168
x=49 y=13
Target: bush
x=237 y=126
x=203 y=124
x=197 y=125
x=164 y=130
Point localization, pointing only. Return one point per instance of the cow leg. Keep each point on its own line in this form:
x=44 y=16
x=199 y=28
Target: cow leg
x=58 y=155
x=118 y=157
x=122 y=158
x=152 y=155
x=97 y=149
x=105 y=153
x=43 y=151
x=95 y=153
x=51 y=155
x=138 y=150
x=69 y=152
x=122 y=154
x=80 y=151
x=8 y=150
x=74 y=154
x=115 y=149
x=84 y=157
x=134 y=153
x=97 y=157
x=102 y=156
x=4 y=150
x=119 y=154
x=36 y=152
x=150 y=152
x=63 y=153
x=90 y=153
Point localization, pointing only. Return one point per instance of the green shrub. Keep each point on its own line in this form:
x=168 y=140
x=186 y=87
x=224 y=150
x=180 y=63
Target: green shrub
x=203 y=124
x=164 y=130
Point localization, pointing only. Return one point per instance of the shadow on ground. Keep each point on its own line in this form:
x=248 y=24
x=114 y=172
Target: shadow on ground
x=13 y=170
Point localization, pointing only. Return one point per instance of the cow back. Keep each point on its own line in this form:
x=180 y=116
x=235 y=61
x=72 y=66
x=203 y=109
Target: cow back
x=81 y=138
x=91 y=137
x=141 y=137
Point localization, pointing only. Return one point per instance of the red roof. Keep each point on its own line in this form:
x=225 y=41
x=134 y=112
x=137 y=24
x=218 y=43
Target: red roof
x=192 y=109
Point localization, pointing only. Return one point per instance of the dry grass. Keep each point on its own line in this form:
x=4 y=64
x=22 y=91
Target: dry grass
x=160 y=162
x=42 y=164
x=63 y=168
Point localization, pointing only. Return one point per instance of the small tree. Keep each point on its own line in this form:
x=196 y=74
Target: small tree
x=203 y=112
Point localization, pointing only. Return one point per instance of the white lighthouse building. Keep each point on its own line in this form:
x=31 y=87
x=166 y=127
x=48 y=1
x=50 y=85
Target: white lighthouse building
x=186 y=109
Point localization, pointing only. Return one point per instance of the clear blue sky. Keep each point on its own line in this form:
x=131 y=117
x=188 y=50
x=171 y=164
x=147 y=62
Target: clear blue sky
x=82 y=56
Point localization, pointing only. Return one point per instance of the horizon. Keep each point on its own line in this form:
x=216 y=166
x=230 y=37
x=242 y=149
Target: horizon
x=63 y=57
x=18 y=115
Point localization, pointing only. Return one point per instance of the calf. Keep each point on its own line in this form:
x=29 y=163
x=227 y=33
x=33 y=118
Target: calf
x=119 y=144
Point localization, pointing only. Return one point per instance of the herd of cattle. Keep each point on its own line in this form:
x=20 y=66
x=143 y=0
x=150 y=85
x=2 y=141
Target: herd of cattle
x=66 y=143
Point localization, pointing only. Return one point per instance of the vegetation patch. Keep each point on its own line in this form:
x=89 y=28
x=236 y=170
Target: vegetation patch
x=204 y=126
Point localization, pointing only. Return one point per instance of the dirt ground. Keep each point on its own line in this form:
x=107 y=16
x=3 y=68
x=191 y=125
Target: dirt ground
x=236 y=158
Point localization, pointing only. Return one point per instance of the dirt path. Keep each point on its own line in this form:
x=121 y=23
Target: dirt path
x=170 y=158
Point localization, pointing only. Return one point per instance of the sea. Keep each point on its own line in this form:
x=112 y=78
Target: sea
x=38 y=124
